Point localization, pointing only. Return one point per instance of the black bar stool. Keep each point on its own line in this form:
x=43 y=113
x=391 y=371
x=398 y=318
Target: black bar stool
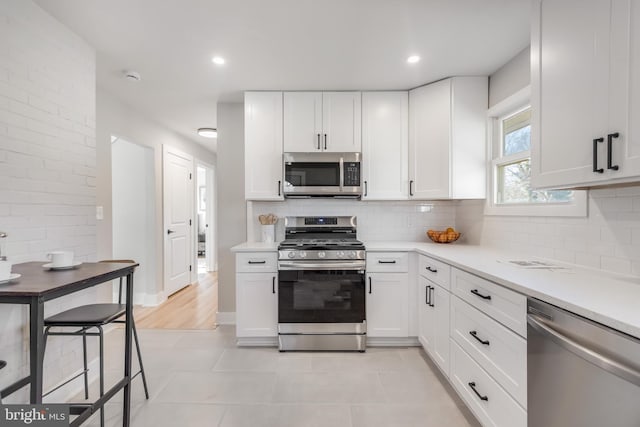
x=87 y=318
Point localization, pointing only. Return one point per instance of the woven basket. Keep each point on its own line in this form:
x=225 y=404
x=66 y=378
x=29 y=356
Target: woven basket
x=443 y=236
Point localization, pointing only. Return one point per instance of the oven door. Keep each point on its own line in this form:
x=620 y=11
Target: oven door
x=321 y=296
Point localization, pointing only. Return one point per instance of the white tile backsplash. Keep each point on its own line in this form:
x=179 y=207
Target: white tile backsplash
x=608 y=238
x=381 y=221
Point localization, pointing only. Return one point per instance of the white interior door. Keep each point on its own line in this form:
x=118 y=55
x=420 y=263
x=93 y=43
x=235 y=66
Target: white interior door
x=178 y=219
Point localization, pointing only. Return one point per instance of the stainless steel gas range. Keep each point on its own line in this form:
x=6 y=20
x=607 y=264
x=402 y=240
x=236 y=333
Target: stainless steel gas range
x=321 y=285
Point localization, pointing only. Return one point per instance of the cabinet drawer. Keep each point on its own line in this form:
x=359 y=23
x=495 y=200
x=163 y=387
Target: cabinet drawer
x=489 y=402
x=387 y=262
x=502 y=353
x=256 y=262
x=502 y=304
x=436 y=271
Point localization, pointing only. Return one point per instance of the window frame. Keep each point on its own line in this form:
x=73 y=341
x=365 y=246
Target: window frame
x=514 y=104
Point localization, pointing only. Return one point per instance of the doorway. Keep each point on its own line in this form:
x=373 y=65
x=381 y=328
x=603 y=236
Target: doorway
x=133 y=213
x=205 y=219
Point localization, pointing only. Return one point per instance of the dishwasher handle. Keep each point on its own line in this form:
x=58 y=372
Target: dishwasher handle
x=581 y=350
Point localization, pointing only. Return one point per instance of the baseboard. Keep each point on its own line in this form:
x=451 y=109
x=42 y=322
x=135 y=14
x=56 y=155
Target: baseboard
x=152 y=300
x=393 y=342
x=257 y=342
x=226 y=318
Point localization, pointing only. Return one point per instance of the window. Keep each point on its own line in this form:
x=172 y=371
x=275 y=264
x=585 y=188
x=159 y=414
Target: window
x=511 y=192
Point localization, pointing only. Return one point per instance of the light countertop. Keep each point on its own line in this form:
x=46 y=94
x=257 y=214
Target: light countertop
x=605 y=297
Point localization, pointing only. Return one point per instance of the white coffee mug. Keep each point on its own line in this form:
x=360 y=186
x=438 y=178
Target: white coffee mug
x=60 y=258
x=5 y=270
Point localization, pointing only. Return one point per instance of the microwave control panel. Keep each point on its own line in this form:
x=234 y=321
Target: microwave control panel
x=351 y=174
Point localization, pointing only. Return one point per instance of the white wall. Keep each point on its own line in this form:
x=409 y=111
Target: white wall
x=133 y=216
x=231 y=213
x=116 y=118
x=608 y=238
x=47 y=167
x=511 y=77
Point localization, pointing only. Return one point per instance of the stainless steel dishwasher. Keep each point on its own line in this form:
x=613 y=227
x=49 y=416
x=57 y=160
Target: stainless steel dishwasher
x=580 y=373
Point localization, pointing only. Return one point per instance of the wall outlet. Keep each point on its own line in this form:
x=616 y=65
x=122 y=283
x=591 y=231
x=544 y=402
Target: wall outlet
x=99 y=212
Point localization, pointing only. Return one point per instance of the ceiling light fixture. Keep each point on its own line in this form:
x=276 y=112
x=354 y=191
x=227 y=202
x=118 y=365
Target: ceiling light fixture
x=208 y=132
x=413 y=59
x=218 y=60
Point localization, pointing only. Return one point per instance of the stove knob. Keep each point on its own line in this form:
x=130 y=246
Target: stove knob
x=340 y=254
x=303 y=254
x=352 y=254
x=322 y=254
x=291 y=255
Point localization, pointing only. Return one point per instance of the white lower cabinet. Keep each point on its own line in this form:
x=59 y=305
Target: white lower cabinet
x=498 y=350
x=256 y=296
x=491 y=404
x=387 y=305
x=433 y=315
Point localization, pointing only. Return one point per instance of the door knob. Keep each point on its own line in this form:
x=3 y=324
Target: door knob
x=170 y=231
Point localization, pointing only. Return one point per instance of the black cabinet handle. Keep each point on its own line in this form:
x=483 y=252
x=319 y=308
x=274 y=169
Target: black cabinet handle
x=273 y=285
x=369 y=284
x=279 y=186
x=386 y=262
x=610 y=151
x=318 y=141
x=257 y=262
x=365 y=189
x=475 y=292
x=473 y=387
x=325 y=141
x=431 y=289
x=426 y=295
x=411 y=188
x=481 y=341
x=433 y=270
x=595 y=155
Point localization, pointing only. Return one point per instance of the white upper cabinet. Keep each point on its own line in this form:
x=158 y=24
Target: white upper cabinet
x=385 y=145
x=447 y=139
x=263 y=145
x=585 y=93
x=322 y=121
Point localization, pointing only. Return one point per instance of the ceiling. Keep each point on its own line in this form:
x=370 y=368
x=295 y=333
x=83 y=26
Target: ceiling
x=284 y=44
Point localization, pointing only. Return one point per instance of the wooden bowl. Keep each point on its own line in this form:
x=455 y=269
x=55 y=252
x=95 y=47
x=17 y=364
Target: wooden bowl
x=443 y=236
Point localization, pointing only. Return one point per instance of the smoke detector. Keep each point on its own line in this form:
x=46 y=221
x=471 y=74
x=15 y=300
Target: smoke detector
x=132 y=76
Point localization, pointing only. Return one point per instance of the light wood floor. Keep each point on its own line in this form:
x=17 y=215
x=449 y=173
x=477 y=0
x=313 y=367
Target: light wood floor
x=193 y=307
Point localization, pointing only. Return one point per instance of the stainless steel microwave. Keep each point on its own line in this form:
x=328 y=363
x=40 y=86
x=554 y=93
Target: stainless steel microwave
x=309 y=175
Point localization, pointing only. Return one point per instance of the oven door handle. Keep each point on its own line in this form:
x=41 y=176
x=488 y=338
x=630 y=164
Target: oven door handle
x=354 y=266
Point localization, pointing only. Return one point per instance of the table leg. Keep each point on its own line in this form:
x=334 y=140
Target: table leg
x=36 y=348
x=126 y=410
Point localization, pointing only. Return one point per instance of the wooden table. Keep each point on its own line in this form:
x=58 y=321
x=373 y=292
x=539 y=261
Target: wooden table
x=38 y=285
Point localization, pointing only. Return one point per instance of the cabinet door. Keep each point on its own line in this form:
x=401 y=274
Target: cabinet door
x=433 y=316
x=429 y=140
x=341 y=122
x=426 y=323
x=387 y=305
x=263 y=145
x=256 y=305
x=302 y=122
x=570 y=50
x=625 y=91
x=385 y=145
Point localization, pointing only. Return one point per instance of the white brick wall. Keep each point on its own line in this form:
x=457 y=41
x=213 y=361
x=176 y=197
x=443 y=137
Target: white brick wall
x=47 y=166
x=608 y=239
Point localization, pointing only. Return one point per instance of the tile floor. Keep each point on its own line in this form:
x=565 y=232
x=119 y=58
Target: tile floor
x=200 y=378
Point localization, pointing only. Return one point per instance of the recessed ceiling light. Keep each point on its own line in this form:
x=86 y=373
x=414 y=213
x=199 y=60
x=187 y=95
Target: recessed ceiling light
x=208 y=132
x=413 y=59
x=218 y=60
